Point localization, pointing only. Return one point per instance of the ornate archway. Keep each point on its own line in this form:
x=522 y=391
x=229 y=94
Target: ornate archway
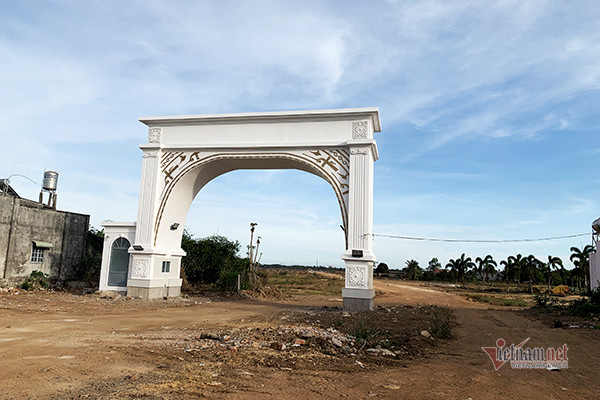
x=184 y=153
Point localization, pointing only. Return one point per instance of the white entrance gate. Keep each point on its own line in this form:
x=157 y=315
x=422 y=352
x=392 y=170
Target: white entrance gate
x=184 y=153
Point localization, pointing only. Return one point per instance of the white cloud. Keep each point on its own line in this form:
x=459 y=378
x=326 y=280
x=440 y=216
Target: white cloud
x=77 y=75
x=501 y=60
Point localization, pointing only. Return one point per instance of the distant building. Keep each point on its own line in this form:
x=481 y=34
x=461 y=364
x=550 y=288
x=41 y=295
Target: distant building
x=35 y=237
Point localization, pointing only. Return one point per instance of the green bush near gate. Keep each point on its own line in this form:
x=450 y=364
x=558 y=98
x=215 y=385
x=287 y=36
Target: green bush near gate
x=228 y=276
x=211 y=260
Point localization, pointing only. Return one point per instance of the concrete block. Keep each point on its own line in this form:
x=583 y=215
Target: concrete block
x=352 y=304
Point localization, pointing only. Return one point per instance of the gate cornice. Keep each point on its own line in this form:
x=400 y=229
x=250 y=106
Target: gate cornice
x=371 y=113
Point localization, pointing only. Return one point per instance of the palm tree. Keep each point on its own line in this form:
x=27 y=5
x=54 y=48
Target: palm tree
x=509 y=272
x=581 y=260
x=485 y=266
x=575 y=277
x=554 y=263
x=413 y=271
x=518 y=263
x=531 y=266
x=453 y=267
x=479 y=270
x=460 y=266
x=434 y=264
x=467 y=264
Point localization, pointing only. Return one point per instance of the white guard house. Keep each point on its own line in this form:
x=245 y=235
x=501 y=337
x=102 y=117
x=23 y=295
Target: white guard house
x=184 y=153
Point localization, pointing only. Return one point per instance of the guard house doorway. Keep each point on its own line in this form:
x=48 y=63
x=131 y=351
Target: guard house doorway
x=119 y=262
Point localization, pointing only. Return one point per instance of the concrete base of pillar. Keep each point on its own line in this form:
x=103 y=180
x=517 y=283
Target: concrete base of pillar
x=358 y=300
x=153 y=292
x=153 y=288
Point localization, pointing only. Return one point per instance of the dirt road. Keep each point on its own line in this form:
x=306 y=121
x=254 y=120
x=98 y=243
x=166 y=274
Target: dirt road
x=57 y=345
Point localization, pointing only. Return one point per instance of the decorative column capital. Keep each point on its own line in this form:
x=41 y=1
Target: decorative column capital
x=150 y=154
x=363 y=150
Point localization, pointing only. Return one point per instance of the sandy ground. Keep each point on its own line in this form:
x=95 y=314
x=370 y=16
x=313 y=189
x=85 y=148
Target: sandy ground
x=58 y=345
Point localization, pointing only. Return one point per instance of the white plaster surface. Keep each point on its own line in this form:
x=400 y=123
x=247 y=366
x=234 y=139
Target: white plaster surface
x=184 y=153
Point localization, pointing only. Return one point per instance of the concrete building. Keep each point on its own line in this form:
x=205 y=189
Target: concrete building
x=36 y=237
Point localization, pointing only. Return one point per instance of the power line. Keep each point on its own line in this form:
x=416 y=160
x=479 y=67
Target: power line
x=480 y=240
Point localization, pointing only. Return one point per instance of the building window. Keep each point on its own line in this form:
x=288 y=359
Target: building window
x=166 y=266
x=38 y=249
x=37 y=254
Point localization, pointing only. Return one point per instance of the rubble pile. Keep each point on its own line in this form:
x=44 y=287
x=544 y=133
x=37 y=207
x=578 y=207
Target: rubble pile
x=284 y=338
x=387 y=333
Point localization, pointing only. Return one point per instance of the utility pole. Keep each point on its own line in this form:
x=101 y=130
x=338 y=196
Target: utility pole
x=251 y=274
x=256 y=254
x=252 y=225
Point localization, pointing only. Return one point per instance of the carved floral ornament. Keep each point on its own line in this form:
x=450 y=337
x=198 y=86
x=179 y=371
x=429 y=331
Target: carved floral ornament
x=140 y=269
x=154 y=135
x=360 y=130
x=357 y=276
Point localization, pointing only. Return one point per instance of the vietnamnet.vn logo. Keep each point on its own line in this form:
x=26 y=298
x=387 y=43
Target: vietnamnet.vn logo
x=521 y=357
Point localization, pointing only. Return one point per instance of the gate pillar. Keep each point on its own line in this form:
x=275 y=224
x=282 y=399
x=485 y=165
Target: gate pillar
x=358 y=293
x=154 y=271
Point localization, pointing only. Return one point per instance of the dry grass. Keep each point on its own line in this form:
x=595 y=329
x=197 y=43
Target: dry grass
x=506 y=300
x=305 y=282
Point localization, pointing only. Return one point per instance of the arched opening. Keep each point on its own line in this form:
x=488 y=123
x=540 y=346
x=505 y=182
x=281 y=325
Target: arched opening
x=178 y=194
x=297 y=214
x=119 y=263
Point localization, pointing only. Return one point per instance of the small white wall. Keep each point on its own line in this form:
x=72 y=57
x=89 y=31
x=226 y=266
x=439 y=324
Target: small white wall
x=113 y=231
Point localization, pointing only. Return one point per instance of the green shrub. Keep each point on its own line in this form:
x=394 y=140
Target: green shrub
x=88 y=270
x=382 y=268
x=36 y=280
x=228 y=276
x=595 y=296
x=207 y=258
x=584 y=307
x=361 y=329
x=515 y=302
x=581 y=307
x=441 y=323
x=542 y=300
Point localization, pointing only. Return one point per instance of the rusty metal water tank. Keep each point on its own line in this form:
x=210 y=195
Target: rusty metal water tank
x=50 y=181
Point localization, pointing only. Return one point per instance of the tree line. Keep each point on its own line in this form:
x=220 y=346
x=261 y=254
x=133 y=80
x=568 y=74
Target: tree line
x=515 y=270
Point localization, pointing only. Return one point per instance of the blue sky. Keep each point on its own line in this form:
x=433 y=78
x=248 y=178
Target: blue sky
x=489 y=113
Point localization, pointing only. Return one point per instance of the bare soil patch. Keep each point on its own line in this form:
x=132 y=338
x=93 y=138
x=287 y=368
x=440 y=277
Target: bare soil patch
x=62 y=346
x=192 y=361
